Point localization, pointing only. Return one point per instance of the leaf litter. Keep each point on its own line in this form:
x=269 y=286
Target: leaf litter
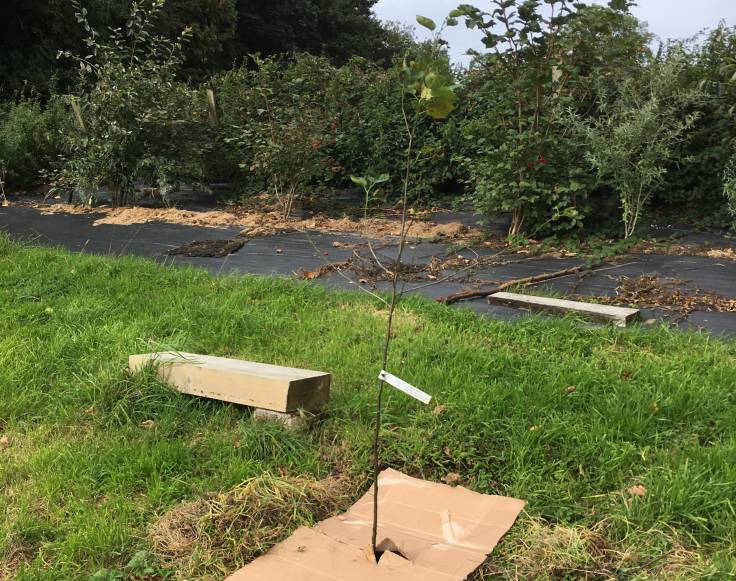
x=650 y=291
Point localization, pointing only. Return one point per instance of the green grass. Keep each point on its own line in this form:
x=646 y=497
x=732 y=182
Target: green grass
x=83 y=480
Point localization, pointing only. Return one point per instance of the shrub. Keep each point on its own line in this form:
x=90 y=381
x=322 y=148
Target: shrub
x=29 y=139
x=134 y=120
x=695 y=181
x=533 y=172
x=283 y=129
x=637 y=134
x=371 y=137
x=518 y=149
x=300 y=124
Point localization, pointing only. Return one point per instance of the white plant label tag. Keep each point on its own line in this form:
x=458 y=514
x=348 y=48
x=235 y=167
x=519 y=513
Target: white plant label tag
x=407 y=388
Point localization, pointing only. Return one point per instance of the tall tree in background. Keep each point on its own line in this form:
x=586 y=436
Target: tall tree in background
x=32 y=32
x=338 y=29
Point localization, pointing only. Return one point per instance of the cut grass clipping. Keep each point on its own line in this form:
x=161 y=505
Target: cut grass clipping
x=622 y=441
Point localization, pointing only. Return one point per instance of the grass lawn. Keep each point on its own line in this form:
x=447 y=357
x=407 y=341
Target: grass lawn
x=622 y=441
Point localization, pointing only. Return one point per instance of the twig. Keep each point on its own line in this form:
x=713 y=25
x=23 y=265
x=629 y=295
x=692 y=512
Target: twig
x=341 y=273
x=531 y=280
x=452 y=275
x=386 y=270
x=461 y=296
x=597 y=270
x=5 y=202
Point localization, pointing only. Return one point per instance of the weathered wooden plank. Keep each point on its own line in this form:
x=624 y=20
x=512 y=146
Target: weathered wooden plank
x=259 y=385
x=620 y=316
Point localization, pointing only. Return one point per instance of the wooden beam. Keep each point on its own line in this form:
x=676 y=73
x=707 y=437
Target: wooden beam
x=259 y=385
x=620 y=316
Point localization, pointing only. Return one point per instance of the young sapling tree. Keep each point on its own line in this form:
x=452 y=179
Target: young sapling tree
x=369 y=183
x=425 y=92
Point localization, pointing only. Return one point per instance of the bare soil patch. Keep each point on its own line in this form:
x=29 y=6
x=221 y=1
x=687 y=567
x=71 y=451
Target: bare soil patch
x=209 y=248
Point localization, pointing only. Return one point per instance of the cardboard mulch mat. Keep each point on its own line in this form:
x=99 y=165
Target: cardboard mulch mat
x=427 y=532
x=209 y=248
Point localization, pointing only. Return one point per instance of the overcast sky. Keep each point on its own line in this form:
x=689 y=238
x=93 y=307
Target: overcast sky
x=666 y=18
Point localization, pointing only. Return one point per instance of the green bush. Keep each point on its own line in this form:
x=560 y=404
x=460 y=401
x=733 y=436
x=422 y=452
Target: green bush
x=695 y=181
x=134 y=120
x=29 y=139
x=638 y=132
x=518 y=148
x=372 y=137
x=300 y=124
x=274 y=115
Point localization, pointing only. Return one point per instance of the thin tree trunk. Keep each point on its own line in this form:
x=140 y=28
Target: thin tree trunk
x=395 y=296
x=517 y=222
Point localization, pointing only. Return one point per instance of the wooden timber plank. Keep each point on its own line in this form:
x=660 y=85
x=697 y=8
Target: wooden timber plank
x=620 y=316
x=259 y=385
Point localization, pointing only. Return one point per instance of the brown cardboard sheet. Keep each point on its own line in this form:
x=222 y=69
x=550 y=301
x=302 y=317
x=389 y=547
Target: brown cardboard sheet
x=443 y=533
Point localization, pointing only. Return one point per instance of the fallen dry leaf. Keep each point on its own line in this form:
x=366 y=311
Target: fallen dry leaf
x=309 y=274
x=438 y=409
x=320 y=271
x=452 y=478
x=4 y=442
x=638 y=490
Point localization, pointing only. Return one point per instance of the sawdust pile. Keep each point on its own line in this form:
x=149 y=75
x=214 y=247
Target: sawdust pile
x=264 y=223
x=130 y=216
x=709 y=251
x=228 y=530
x=652 y=292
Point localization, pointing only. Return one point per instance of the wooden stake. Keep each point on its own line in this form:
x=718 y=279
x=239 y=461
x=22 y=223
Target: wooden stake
x=211 y=105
